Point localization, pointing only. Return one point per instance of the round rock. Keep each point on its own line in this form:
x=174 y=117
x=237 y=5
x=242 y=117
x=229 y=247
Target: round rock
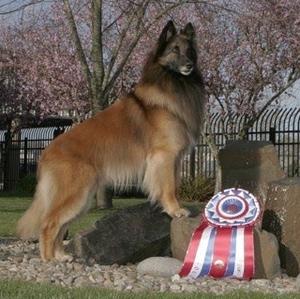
x=159 y=266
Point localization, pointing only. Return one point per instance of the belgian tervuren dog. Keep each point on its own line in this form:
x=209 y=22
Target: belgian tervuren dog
x=141 y=137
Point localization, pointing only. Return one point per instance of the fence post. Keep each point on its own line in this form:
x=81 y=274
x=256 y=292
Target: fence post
x=272 y=135
x=6 y=151
x=11 y=162
x=192 y=163
x=246 y=137
x=25 y=156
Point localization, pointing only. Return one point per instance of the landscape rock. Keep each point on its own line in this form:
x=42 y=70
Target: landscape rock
x=266 y=250
x=282 y=218
x=126 y=277
x=250 y=165
x=181 y=233
x=298 y=282
x=129 y=235
x=159 y=266
x=267 y=263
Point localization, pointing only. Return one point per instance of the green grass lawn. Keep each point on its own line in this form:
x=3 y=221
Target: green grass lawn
x=22 y=290
x=12 y=208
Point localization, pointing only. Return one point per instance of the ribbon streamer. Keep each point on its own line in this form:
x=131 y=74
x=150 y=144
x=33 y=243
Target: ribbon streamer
x=222 y=245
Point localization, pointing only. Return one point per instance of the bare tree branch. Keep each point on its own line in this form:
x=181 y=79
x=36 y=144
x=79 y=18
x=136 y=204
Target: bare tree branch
x=77 y=42
x=20 y=7
x=253 y=119
x=7 y=3
x=134 y=14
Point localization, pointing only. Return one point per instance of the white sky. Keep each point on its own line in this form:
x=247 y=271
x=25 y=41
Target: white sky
x=291 y=98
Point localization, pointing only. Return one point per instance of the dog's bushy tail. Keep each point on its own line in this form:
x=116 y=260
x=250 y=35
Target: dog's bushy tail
x=28 y=227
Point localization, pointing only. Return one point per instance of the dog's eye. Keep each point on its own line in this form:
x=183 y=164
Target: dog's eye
x=175 y=50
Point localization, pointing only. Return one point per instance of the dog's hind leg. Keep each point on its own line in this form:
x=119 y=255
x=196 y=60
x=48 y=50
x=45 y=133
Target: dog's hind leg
x=70 y=200
x=59 y=252
x=160 y=182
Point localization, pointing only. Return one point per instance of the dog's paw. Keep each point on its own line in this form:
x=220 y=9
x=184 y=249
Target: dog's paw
x=181 y=212
x=62 y=257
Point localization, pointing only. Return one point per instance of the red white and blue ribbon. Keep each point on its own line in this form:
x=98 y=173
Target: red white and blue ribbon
x=222 y=246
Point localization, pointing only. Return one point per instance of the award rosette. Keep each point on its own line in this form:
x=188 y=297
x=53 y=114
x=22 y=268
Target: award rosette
x=222 y=245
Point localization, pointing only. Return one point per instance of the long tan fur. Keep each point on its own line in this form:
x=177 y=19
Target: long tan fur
x=141 y=137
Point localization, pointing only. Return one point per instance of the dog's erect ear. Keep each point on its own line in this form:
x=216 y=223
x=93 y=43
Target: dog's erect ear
x=168 y=32
x=189 y=31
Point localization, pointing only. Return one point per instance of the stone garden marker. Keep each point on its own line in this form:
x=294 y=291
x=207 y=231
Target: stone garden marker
x=250 y=165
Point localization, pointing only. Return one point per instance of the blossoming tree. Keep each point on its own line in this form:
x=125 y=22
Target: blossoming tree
x=80 y=55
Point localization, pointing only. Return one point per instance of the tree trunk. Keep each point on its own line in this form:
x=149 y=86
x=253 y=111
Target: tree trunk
x=96 y=104
x=218 y=183
x=104 y=198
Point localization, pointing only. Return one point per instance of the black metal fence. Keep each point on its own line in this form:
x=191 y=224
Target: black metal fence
x=279 y=126
x=19 y=156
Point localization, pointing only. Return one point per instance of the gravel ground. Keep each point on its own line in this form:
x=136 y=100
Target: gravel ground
x=20 y=260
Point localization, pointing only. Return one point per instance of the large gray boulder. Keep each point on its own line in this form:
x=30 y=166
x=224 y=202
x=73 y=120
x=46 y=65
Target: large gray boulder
x=129 y=235
x=250 y=165
x=267 y=263
x=282 y=218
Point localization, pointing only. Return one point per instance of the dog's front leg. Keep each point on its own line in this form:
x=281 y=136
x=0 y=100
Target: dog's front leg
x=160 y=181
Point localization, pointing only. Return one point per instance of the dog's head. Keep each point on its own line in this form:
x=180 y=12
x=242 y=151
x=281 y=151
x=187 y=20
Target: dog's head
x=176 y=51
